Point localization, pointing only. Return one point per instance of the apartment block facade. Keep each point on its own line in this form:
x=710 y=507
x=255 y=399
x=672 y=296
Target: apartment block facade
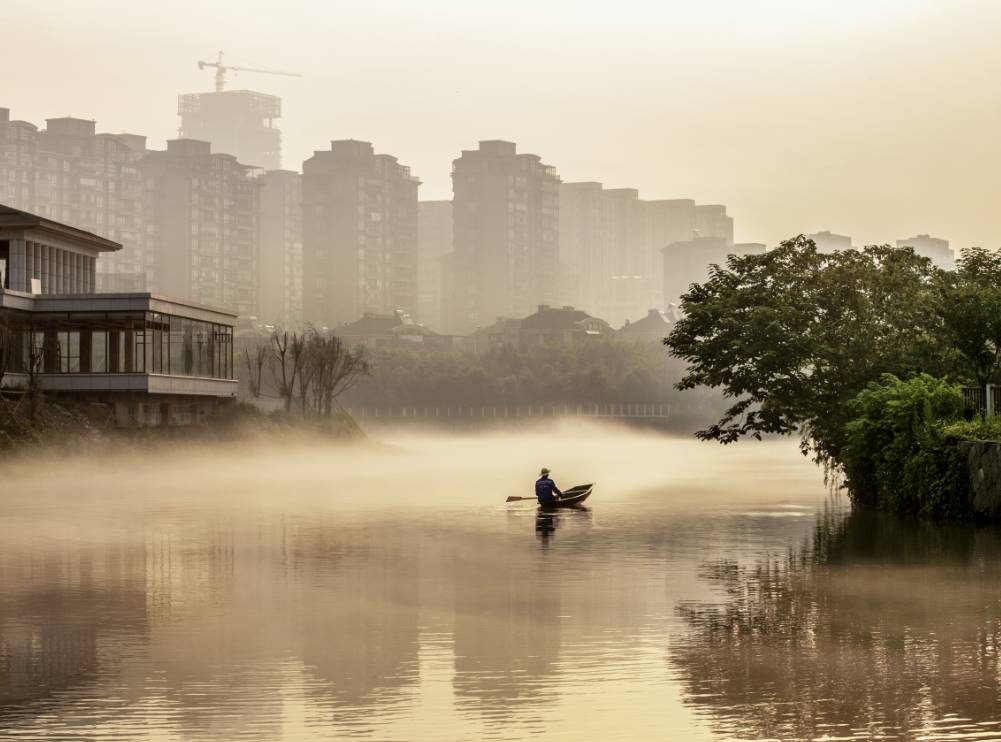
x=202 y=225
x=505 y=235
x=611 y=244
x=934 y=248
x=434 y=244
x=360 y=234
x=829 y=242
x=688 y=262
x=281 y=247
x=69 y=172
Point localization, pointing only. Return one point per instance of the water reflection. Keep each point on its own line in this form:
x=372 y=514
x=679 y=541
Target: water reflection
x=876 y=626
x=217 y=611
x=547 y=522
x=359 y=617
x=545 y=525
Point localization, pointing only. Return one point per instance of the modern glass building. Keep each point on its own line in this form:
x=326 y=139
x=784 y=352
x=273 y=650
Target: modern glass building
x=159 y=361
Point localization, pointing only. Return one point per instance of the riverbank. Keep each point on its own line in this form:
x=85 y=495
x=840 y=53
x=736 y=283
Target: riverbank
x=80 y=426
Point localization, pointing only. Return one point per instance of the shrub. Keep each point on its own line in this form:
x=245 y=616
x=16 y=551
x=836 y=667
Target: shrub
x=901 y=451
x=977 y=429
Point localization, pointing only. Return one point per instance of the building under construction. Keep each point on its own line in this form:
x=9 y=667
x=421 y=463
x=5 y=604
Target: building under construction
x=236 y=122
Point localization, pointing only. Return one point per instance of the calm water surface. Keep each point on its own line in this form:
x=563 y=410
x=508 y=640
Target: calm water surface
x=388 y=593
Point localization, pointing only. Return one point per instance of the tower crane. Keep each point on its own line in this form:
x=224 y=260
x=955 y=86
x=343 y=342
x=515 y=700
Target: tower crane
x=220 y=71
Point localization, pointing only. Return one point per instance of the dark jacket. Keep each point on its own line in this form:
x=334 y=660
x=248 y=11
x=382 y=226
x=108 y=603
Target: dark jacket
x=546 y=489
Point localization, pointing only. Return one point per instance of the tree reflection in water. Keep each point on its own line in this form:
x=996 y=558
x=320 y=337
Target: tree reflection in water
x=876 y=626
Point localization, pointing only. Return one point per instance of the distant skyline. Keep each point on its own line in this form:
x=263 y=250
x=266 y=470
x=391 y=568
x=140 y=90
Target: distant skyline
x=874 y=119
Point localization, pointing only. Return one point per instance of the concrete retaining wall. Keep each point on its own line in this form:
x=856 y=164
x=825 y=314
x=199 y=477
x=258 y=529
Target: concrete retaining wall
x=984 y=460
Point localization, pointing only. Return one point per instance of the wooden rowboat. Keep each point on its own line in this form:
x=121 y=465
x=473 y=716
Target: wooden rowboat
x=571 y=497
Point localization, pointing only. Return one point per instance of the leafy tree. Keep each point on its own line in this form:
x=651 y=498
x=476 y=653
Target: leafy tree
x=794 y=334
x=970 y=308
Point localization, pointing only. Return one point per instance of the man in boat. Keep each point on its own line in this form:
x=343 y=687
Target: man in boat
x=546 y=489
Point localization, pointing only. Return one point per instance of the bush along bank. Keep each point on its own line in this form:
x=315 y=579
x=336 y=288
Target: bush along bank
x=909 y=450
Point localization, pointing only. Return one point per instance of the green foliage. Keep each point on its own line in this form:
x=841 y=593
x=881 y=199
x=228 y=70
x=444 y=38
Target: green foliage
x=794 y=335
x=900 y=452
x=978 y=429
x=969 y=304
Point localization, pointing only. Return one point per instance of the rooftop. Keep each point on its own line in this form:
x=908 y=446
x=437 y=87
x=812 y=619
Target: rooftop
x=371 y=324
x=554 y=318
x=656 y=320
x=11 y=218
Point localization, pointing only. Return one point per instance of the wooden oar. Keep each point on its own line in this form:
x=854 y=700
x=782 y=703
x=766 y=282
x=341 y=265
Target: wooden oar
x=515 y=498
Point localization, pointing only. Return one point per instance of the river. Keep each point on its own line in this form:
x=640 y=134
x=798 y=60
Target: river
x=388 y=592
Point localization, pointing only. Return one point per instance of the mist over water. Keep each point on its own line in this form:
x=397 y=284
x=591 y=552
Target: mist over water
x=387 y=592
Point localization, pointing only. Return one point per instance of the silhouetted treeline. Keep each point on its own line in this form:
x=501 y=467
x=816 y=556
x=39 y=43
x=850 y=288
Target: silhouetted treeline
x=598 y=373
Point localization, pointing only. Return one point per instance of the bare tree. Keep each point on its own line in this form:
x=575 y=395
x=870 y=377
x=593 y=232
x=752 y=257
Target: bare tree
x=7 y=348
x=35 y=351
x=284 y=370
x=337 y=368
x=254 y=357
x=10 y=354
x=301 y=352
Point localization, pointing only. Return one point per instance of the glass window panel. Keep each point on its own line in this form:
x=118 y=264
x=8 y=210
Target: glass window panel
x=73 y=351
x=140 y=348
x=176 y=346
x=99 y=352
x=157 y=348
x=187 y=329
x=129 y=349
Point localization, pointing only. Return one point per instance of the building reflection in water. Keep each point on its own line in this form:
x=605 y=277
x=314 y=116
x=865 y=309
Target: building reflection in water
x=59 y=611
x=359 y=603
x=507 y=607
x=876 y=626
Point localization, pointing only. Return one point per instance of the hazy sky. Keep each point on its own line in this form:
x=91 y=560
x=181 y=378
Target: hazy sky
x=874 y=118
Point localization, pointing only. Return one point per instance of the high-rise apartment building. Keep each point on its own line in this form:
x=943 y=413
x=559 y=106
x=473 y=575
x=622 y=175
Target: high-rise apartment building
x=688 y=262
x=505 y=235
x=281 y=247
x=434 y=242
x=934 y=248
x=202 y=225
x=829 y=242
x=18 y=144
x=585 y=259
x=711 y=220
x=69 y=172
x=603 y=250
x=237 y=122
x=360 y=234
x=611 y=246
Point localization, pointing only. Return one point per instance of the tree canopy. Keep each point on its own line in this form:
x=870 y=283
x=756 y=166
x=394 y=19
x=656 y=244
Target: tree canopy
x=970 y=307
x=791 y=336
